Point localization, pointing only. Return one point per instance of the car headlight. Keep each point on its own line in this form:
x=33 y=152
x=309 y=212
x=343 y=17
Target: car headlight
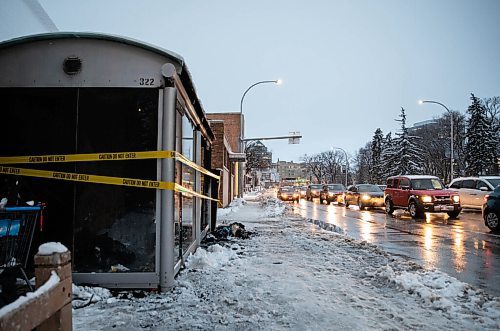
x=456 y=198
x=284 y=195
x=426 y=198
x=365 y=197
x=295 y=194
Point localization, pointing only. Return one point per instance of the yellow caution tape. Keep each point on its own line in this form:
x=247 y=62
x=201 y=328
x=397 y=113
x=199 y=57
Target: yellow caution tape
x=106 y=157
x=75 y=177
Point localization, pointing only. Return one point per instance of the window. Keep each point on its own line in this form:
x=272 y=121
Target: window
x=468 y=183
x=457 y=184
x=480 y=184
x=404 y=182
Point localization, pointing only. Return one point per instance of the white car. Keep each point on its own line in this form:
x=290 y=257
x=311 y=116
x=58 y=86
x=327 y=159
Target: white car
x=472 y=190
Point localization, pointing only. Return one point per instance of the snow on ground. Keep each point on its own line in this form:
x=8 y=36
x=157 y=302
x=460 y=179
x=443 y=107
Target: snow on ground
x=294 y=275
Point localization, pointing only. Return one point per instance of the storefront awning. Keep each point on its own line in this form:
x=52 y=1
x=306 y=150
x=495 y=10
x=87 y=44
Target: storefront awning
x=237 y=157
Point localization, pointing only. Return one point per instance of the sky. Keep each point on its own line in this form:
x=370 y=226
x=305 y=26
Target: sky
x=292 y=275
x=347 y=66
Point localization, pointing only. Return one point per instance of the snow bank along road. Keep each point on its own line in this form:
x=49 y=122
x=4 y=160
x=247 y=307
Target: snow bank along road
x=293 y=275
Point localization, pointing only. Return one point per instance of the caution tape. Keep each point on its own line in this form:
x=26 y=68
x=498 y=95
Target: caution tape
x=121 y=156
x=76 y=177
x=61 y=158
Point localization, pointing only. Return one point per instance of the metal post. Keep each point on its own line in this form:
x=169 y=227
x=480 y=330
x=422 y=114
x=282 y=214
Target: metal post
x=346 y=163
x=241 y=170
x=167 y=234
x=452 y=154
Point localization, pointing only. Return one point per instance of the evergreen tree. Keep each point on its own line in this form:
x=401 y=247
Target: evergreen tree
x=388 y=157
x=409 y=155
x=363 y=161
x=376 y=175
x=480 y=147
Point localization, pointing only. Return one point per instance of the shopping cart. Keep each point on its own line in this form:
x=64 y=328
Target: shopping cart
x=17 y=228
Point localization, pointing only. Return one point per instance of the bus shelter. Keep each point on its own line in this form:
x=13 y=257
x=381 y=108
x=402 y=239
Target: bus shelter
x=110 y=134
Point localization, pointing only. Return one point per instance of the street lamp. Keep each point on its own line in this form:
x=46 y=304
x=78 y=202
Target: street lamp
x=346 y=164
x=451 y=130
x=278 y=82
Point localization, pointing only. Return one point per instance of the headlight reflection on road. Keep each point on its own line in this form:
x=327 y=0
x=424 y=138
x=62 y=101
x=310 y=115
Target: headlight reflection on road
x=331 y=216
x=458 y=251
x=429 y=251
x=366 y=227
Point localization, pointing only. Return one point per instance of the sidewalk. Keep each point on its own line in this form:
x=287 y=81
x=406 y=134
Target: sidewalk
x=293 y=275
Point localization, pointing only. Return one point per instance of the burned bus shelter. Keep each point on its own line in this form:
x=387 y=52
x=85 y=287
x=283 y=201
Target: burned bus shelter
x=110 y=134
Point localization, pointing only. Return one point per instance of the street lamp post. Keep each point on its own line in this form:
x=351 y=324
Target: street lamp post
x=451 y=132
x=346 y=163
x=278 y=82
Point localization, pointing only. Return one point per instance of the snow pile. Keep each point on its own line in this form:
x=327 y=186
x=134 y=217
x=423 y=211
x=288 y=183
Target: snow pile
x=214 y=256
x=273 y=207
x=444 y=293
x=233 y=207
x=51 y=248
x=82 y=295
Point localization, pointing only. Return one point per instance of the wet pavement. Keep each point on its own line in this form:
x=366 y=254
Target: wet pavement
x=463 y=248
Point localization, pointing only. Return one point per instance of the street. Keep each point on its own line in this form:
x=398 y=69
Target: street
x=463 y=248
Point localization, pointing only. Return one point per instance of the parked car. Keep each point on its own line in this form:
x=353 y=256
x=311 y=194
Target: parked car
x=364 y=195
x=419 y=194
x=313 y=191
x=332 y=193
x=472 y=190
x=491 y=210
x=289 y=193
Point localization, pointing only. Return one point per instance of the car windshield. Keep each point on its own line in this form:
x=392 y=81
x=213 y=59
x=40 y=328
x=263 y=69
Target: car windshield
x=316 y=187
x=369 y=188
x=427 y=184
x=336 y=187
x=287 y=190
x=494 y=181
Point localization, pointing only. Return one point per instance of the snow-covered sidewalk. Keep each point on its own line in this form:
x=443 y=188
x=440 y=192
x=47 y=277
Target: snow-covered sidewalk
x=293 y=275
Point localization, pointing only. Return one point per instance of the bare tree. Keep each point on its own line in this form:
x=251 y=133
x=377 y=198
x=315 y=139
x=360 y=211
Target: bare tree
x=314 y=166
x=332 y=165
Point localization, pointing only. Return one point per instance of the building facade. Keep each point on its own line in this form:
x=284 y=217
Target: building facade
x=226 y=155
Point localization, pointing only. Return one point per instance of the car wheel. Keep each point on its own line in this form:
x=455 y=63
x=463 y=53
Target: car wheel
x=414 y=210
x=492 y=221
x=320 y=201
x=453 y=214
x=360 y=204
x=389 y=207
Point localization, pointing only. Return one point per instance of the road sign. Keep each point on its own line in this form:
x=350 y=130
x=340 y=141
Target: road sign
x=295 y=138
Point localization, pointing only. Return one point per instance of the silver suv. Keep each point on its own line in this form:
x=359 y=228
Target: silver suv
x=472 y=190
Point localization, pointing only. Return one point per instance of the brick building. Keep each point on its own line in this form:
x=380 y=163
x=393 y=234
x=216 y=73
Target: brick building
x=225 y=153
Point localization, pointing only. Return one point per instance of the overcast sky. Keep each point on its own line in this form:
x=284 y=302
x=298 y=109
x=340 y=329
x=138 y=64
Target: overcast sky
x=347 y=66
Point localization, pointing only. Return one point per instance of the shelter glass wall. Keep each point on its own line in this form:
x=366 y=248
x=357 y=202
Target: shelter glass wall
x=108 y=228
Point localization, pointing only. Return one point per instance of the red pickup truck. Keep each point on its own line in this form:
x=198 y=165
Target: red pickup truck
x=419 y=194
